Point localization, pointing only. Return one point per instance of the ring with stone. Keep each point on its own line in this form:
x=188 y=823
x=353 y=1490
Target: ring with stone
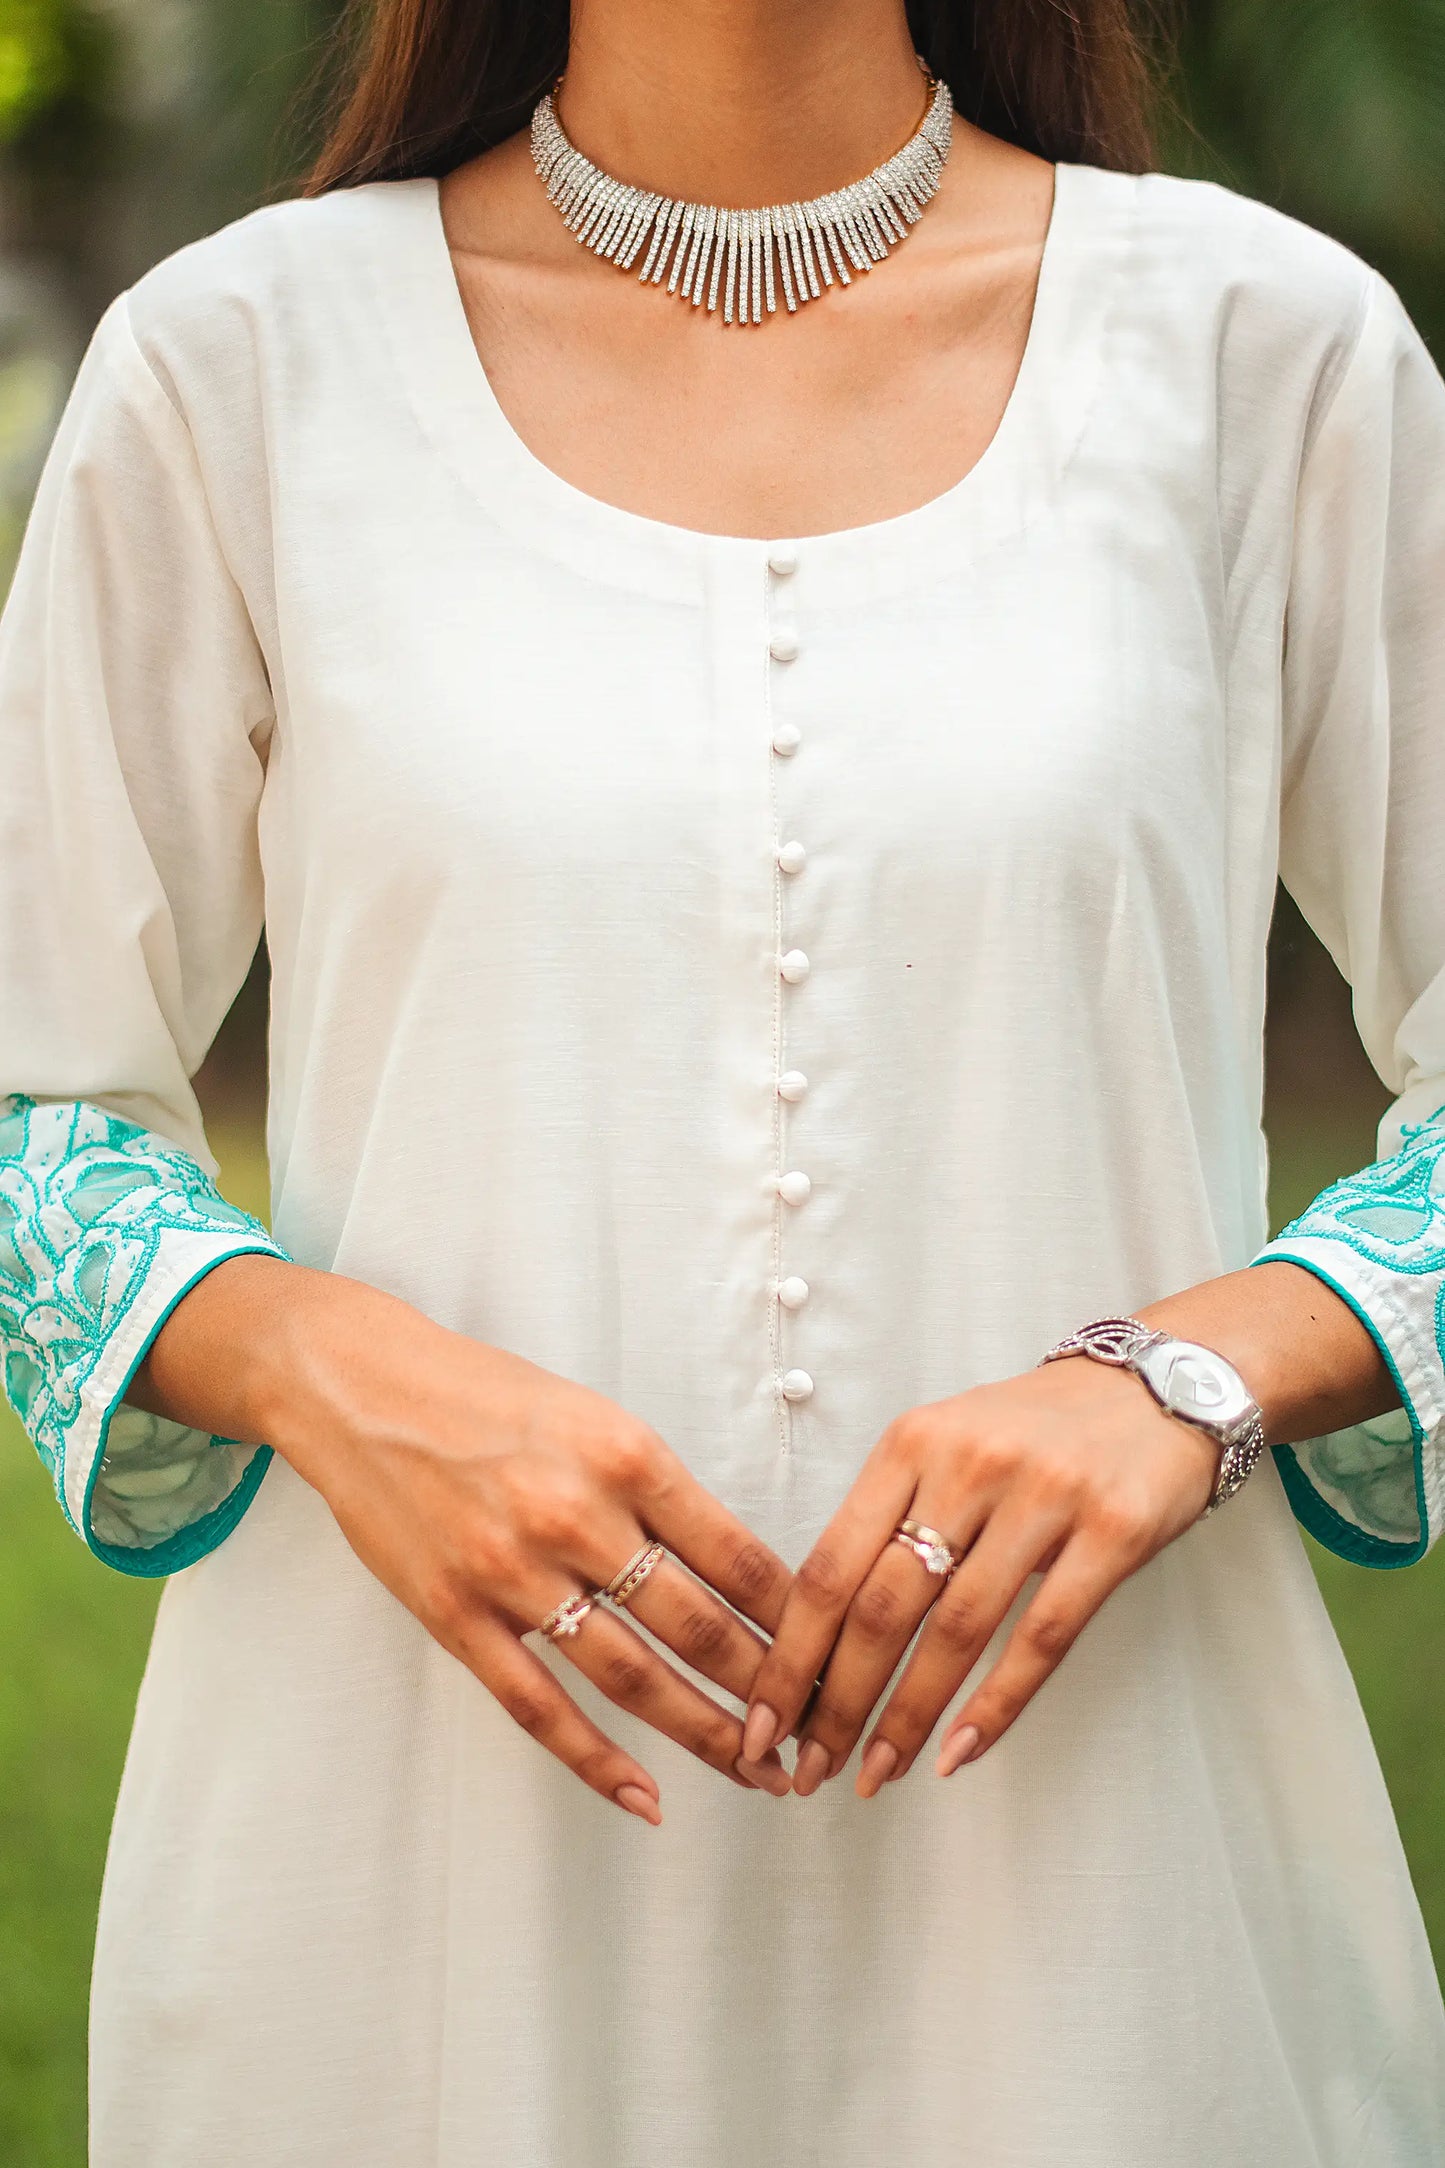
x=928 y=1546
x=633 y=1574
x=566 y=1618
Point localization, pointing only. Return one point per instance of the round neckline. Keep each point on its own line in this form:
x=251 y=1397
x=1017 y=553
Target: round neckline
x=454 y=397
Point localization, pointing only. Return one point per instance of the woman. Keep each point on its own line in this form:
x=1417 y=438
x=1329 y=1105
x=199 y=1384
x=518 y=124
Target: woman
x=767 y=837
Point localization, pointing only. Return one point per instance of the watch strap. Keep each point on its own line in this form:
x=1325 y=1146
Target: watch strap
x=1116 y=1340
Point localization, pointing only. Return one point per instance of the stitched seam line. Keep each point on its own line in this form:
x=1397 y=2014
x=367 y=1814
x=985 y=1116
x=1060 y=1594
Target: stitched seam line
x=782 y=1411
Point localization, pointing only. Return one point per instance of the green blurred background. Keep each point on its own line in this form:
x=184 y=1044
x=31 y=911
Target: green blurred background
x=129 y=126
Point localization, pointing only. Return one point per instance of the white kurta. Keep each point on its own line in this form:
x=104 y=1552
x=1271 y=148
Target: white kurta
x=510 y=771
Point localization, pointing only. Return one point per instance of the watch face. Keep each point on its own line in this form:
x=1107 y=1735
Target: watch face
x=1197 y=1384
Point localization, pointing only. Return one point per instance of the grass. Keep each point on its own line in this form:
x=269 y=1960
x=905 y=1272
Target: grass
x=74 y=1639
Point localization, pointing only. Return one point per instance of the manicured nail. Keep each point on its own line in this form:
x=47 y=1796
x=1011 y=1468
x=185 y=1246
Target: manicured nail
x=759 y=1732
x=639 y=1802
x=768 y=1776
x=956 y=1749
x=813 y=1763
x=879 y=1763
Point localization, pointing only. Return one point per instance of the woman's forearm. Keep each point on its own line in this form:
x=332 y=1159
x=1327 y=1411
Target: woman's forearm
x=259 y=1342
x=1301 y=1350
x=270 y=1353
x=484 y=1492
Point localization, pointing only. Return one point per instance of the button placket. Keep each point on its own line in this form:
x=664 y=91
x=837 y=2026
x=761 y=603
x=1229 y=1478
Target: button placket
x=789 y=1291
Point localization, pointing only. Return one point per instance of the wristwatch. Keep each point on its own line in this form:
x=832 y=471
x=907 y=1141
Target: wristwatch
x=1187 y=1380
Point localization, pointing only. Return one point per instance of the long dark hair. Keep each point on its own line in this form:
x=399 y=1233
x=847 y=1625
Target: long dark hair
x=426 y=84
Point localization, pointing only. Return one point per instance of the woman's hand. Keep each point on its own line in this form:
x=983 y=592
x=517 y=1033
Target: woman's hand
x=1072 y=1470
x=483 y=1491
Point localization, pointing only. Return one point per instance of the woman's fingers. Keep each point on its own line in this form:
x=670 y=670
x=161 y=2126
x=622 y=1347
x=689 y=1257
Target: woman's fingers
x=822 y=1590
x=959 y=1629
x=534 y=1699
x=620 y=1663
x=627 y=1670
x=1084 y=1576
x=697 y=1626
x=671 y=1603
x=584 y=1543
x=720 y=1549
x=879 y=1623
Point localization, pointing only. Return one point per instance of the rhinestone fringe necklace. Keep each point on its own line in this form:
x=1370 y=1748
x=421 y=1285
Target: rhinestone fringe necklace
x=711 y=254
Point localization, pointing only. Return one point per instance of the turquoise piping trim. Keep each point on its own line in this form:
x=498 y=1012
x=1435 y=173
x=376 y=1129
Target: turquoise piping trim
x=188 y=1544
x=1315 y=1513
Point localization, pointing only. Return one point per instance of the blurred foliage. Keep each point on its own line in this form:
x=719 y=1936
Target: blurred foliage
x=127 y=128
x=1334 y=110
x=39 y=62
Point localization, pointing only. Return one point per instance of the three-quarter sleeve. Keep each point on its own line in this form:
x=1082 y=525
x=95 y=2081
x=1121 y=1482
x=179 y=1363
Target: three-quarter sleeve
x=135 y=720
x=1363 y=853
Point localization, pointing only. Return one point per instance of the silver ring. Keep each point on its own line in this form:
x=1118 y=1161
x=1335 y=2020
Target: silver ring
x=928 y=1547
x=567 y=1617
x=626 y=1583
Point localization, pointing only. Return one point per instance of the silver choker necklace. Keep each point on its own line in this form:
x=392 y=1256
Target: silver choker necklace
x=710 y=254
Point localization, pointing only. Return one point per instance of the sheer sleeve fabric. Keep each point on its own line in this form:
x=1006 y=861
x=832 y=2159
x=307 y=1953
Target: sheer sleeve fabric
x=135 y=718
x=1363 y=853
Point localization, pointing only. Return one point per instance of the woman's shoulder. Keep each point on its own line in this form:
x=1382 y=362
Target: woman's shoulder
x=297 y=238
x=1203 y=254
x=284 y=276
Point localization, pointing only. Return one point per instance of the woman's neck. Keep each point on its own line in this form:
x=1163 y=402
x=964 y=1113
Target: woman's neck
x=740 y=101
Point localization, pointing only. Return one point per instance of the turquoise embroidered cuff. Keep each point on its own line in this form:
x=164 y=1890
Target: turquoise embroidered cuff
x=1376 y=1493
x=103 y=1228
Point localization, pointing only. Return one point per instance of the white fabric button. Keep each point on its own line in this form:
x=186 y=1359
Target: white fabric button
x=795 y=1187
x=792 y=1085
x=792 y=857
x=782 y=559
x=792 y=1292
x=797 y=1385
x=786 y=739
x=794 y=966
x=783 y=646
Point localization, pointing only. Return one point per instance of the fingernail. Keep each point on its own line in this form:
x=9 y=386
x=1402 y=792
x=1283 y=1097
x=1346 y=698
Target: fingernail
x=813 y=1763
x=767 y=1777
x=956 y=1749
x=879 y=1763
x=639 y=1802
x=759 y=1732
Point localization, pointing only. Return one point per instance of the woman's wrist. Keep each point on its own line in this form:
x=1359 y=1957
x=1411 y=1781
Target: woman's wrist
x=279 y=1354
x=1303 y=1353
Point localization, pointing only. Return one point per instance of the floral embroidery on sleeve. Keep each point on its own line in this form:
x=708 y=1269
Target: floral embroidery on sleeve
x=1376 y=1493
x=103 y=1228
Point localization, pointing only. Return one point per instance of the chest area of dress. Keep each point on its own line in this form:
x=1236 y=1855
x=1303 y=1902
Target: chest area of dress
x=1041 y=715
